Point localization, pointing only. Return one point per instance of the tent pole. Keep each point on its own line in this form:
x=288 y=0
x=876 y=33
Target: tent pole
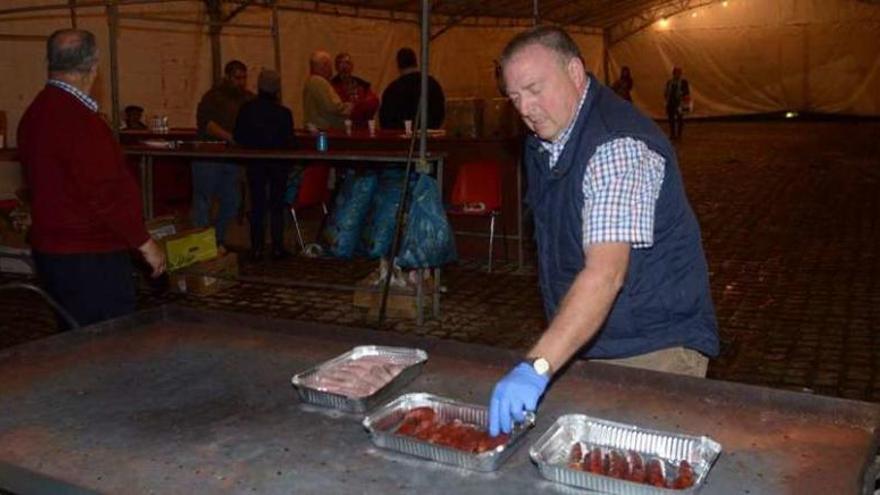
x=276 y=40
x=606 y=45
x=215 y=14
x=72 y=13
x=113 y=33
x=423 y=94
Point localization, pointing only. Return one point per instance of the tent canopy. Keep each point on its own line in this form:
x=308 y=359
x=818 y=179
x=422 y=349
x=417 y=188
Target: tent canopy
x=740 y=56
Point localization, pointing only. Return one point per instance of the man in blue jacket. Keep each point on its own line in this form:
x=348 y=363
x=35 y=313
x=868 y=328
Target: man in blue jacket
x=621 y=266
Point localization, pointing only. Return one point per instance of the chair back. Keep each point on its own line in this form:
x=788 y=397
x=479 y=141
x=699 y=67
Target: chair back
x=313 y=188
x=478 y=182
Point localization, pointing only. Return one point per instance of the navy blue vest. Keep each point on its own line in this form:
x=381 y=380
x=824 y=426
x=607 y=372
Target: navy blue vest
x=665 y=300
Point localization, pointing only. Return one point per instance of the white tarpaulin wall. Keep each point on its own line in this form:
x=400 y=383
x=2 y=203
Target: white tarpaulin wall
x=756 y=56
x=166 y=67
x=750 y=56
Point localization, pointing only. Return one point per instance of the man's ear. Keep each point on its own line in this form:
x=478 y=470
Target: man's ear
x=576 y=71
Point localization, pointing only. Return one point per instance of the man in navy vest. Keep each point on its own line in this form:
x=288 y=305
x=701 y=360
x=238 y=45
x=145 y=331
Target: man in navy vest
x=621 y=266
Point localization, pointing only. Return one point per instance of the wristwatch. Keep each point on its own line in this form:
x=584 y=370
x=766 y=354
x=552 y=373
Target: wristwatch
x=540 y=365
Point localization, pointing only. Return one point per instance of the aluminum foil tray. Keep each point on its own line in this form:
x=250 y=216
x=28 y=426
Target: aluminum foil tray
x=383 y=423
x=413 y=359
x=551 y=453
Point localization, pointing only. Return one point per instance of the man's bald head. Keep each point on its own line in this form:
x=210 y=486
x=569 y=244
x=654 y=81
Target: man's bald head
x=321 y=64
x=71 y=51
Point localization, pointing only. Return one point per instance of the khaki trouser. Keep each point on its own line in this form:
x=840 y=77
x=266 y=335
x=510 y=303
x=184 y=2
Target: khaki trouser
x=677 y=360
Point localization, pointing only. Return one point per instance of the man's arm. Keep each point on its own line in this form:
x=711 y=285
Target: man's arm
x=218 y=132
x=206 y=118
x=331 y=102
x=583 y=310
x=586 y=305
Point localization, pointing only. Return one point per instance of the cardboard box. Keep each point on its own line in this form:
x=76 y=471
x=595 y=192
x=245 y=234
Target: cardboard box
x=161 y=227
x=189 y=247
x=369 y=296
x=198 y=279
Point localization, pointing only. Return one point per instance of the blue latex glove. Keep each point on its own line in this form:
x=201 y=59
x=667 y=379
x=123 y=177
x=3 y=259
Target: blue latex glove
x=516 y=393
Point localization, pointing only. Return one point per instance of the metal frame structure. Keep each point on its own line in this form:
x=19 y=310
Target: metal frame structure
x=616 y=20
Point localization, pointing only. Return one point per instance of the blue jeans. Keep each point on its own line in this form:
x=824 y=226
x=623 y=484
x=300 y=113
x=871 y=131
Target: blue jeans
x=92 y=287
x=210 y=180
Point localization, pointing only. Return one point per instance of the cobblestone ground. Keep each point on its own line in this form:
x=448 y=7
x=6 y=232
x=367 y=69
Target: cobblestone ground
x=791 y=223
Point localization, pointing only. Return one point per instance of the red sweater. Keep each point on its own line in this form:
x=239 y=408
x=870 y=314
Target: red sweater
x=84 y=197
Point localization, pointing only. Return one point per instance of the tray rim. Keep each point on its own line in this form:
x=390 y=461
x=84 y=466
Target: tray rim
x=357 y=405
x=534 y=452
x=489 y=460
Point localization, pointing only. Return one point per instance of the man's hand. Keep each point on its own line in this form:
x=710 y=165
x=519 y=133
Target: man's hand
x=219 y=132
x=154 y=256
x=515 y=394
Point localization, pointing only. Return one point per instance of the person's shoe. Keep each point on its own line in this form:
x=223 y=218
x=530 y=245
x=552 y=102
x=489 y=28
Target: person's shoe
x=280 y=254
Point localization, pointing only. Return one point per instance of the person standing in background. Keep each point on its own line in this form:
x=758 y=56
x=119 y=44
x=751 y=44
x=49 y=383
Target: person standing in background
x=134 y=116
x=354 y=90
x=86 y=206
x=215 y=119
x=322 y=107
x=400 y=100
x=264 y=123
x=678 y=95
x=624 y=85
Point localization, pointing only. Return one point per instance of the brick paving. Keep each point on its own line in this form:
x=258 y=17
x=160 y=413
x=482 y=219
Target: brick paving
x=790 y=216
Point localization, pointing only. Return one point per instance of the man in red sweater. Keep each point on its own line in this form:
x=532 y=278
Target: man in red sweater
x=86 y=203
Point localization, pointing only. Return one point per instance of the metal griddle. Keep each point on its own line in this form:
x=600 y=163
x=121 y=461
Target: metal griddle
x=176 y=400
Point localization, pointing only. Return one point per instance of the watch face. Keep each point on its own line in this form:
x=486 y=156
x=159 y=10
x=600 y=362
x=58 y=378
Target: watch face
x=542 y=367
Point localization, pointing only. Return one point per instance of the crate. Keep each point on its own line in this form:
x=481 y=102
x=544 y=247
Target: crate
x=197 y=278
x=189 y=247
x=369 y=296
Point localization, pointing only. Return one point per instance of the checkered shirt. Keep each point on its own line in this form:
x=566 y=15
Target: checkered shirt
x=555 y=147
x=79 y=95
x=621 y=186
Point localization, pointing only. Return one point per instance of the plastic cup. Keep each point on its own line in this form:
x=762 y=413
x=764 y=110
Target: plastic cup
x=348 y=127
x=371 y=125
x=407 y=126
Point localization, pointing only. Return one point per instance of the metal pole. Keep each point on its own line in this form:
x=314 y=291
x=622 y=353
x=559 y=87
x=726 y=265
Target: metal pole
x=423 y=94
x=606 y=63
x=72 y=13
x=113 y=25
x=535 y=13
x=276 y=41
x=215 y=15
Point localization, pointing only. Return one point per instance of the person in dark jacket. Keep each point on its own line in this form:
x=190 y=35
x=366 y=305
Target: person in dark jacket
x=264 y=123
x=624 y=85
x=400 y=100
x=216 y=178
x=621 y=265
x=678 y=97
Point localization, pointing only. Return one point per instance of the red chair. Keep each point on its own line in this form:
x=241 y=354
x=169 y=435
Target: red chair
x=313 y=191
x=477 y=193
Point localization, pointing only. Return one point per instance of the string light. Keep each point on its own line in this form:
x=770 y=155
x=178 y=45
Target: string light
x=663 y=23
